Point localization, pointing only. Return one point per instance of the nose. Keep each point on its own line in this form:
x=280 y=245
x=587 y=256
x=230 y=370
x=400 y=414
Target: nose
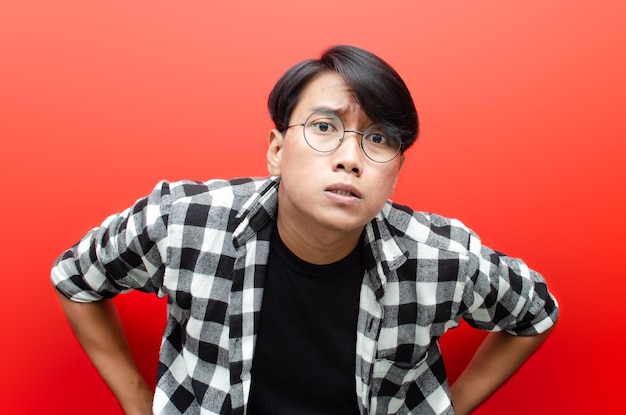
x=349 y=156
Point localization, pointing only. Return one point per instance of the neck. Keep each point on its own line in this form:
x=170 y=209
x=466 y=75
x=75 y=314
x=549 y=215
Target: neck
x=321 y=246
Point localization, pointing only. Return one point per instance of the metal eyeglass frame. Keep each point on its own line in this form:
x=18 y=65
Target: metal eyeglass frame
x=340 y=141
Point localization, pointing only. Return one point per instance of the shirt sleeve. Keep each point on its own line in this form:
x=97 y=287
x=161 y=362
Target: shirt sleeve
x=126 y=252
x=503 y=293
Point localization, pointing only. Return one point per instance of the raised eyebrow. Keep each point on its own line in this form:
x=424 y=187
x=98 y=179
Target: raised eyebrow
x=334 y=111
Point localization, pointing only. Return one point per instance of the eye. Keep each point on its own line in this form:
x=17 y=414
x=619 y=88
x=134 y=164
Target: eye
x=377 y=138
x=324 y=125
x=382 y=137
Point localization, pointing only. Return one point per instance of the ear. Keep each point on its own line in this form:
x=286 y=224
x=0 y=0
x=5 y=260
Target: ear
x=274 y=152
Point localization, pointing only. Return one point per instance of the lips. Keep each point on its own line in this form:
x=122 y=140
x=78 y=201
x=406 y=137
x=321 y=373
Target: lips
x=344 y=190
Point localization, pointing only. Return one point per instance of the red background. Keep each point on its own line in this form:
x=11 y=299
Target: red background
x=523 y=130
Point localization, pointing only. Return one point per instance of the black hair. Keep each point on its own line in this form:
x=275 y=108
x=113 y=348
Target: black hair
x=376 y=86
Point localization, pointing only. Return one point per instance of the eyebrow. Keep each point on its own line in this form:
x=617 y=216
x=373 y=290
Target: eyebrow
x=325 y=108
x=338 y=111
x=388 y=128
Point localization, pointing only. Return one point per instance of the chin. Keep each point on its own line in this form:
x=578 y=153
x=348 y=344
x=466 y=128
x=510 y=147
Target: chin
x=345 y=225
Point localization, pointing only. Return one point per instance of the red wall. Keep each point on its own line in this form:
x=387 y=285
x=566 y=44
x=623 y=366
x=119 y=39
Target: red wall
x=522 y=107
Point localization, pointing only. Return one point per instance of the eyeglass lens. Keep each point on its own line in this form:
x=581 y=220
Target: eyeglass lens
x=324 y=132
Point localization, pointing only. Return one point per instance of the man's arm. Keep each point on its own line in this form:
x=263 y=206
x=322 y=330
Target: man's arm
x=497 y=358
x=99 y=330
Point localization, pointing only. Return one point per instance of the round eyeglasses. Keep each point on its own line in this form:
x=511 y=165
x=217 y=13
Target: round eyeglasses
x=324 y=132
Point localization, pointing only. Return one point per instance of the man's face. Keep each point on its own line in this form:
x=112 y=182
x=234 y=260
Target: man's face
x=338 y=191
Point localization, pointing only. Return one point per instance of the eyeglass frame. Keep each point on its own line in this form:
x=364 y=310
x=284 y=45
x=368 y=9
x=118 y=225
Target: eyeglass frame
x=341 y=139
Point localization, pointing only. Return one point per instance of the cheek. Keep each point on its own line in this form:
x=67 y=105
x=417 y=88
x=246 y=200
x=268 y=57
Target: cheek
x=292 y=151
x=382 y=190
x=296 y=167
x=301 y=161
x=388 y=181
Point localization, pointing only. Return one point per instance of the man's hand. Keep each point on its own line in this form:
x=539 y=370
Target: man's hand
x=99 y=331
x=497 y=358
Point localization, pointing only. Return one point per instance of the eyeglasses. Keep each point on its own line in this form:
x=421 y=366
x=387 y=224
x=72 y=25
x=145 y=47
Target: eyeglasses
x=324 y=132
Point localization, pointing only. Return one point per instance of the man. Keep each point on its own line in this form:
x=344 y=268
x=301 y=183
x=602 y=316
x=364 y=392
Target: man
x=308 y=292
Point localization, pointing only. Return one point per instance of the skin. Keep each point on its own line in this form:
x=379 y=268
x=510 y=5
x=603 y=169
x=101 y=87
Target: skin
x=498 y=357
x=325 y=201
x=321 y=226
x=317 y=223
x=98 y=328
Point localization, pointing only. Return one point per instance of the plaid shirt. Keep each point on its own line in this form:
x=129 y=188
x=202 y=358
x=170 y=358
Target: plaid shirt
x=205 y=246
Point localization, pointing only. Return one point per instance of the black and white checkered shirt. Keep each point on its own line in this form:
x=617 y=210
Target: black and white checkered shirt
x=205 y=246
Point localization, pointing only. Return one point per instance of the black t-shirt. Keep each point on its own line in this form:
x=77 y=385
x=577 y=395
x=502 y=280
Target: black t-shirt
x=304 y=361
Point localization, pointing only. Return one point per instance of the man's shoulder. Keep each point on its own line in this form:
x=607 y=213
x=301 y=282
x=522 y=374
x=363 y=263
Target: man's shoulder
x=233 y=194
x=432 y=229
x=192 y=191
x=241 y=186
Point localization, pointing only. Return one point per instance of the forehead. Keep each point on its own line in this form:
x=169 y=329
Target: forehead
x=327 y=91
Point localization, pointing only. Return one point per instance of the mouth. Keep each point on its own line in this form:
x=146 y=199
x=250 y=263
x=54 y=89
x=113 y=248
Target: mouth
x=344 y=190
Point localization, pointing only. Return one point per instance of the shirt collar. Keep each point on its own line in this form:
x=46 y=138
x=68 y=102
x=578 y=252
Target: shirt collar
x=258 y=210
x=385 y=251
